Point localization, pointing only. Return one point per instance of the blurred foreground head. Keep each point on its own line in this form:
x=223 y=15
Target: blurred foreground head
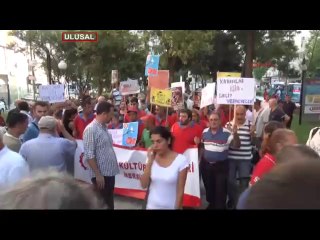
x=290 y=185
x=50 y=190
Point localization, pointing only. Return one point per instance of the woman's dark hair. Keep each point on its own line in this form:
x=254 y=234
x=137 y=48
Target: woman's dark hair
x=269 y=129
x=66 y=118
x=163 y=132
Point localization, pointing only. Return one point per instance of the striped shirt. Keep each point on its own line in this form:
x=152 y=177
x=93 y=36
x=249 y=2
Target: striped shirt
x=97 y=144
x=216 y=145
x=245 y=150
x=116 y=96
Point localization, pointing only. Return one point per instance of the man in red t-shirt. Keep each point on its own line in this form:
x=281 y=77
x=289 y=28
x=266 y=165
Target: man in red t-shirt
x=185 y=133
x=134 y=103
x=133 y=117
x=84 y=118
x=162 y=119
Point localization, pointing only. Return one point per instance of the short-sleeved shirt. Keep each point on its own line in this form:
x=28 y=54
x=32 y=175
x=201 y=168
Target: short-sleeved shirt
x=264 y=166
x=163 y=186
x=48 y=151
x=13 y=168
x=277 y=115
x=183 y=137
x=146 y=138
x=80 y=124
x=289 y=108
x=163 y=122
x=97 y=143
x=216 y=145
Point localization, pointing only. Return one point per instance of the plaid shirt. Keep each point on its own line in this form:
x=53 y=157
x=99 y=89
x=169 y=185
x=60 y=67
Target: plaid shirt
x=97 y=144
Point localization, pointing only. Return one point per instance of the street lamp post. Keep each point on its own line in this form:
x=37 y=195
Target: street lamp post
x=303 y=75
x=32 y=64
x=63 y=66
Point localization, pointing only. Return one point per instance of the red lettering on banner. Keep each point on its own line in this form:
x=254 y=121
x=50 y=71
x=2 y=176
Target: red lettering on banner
x=152 y=71
x=121 y=165
x=125 y=174
x=131 y=141
x=81 y=161
x=125 y=165
x=140 y=166
x=132 y=168
x=135 y=165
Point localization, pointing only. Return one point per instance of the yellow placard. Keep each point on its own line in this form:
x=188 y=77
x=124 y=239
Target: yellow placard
x=161 y=97
x=228 y=74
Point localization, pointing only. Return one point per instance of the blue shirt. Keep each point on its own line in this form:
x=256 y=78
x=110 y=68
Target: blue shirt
x=31 y=132
x=216 y=145
x=48 y=151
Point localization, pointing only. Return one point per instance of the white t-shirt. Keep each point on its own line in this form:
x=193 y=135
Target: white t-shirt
x=249 y=116
x=13 y=168
x=314 y=141
x=163 y=187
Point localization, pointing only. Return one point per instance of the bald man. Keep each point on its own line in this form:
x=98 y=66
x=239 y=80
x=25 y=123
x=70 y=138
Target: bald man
x=100 y=99
x=276 y=113
x=239 y=158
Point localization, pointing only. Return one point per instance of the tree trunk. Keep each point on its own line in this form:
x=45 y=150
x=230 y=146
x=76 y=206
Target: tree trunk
x=100 y=87
x=249 y=54
x=48 y=65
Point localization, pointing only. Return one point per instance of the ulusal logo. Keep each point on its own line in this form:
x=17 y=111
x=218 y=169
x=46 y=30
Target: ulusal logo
x=79 y=37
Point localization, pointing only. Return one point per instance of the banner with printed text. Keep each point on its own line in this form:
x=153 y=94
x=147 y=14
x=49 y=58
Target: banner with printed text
x=129 y=87
x=132 y=163
x=228 y=74
x=177 y=101
x=53 y=93
x=152 y=65
x=207 y=95
x=237 y=91
x=161 y=97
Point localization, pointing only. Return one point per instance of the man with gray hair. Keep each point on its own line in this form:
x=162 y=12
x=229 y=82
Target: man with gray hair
x=13 y=167
x=48 y=150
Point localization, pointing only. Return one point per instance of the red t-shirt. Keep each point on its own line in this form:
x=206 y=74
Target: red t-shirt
x=141 y=113
x=203 y=124
x=183 y=138
x=140 y=130
x=266 y=163
x=162 y=122
x=80 y=124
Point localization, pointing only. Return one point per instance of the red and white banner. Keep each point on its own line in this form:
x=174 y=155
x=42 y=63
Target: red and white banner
x=132 y=163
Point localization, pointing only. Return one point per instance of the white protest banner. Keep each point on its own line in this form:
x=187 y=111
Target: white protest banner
x=129 y=87
x=233 y=90
x=207 y=95
x=117 y=135
x=132 y=163
x=52 y=93
x=179 y=84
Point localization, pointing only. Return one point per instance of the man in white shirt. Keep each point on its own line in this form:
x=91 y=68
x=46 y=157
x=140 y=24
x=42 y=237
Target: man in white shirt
x=13 y=167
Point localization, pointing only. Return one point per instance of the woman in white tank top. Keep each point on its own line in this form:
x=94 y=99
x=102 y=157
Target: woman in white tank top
x=165 y=173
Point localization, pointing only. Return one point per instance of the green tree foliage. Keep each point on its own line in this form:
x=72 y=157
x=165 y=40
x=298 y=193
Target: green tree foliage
x=180 y=48
x=313 y=54
x=88 y=63
x=266 y=45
